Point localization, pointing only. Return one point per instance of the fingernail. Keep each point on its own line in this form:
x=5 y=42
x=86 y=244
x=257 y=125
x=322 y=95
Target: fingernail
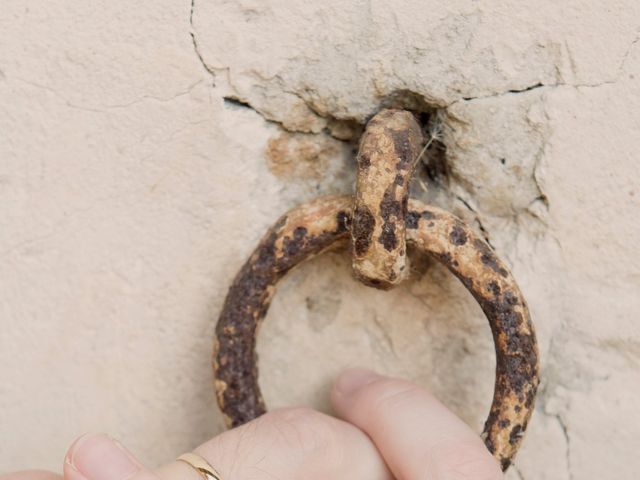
x=354 y=379
x=98 y=457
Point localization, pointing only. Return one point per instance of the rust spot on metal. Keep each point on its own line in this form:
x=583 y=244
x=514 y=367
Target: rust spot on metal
x=494 y=288
x=427 y=215
x=390 y=206
x=404 y=148
x=458 y=235
x=364 y=161
x=344 y=221
x=516 y=433
x=389 y=242
x=411 y=220
x=489 y=258
x=293 y=244
x=363 y=224
x=390 y=211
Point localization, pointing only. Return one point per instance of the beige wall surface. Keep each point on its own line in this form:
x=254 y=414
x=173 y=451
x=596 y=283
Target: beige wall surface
x=131 y=192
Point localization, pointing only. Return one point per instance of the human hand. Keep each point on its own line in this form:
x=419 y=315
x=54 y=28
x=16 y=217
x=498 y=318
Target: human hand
x=389 y=429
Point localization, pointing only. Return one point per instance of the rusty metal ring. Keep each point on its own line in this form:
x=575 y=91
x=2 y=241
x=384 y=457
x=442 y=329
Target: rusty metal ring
x=324 y=223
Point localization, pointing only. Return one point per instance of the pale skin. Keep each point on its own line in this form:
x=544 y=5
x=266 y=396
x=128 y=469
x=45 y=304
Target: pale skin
x=385 y=429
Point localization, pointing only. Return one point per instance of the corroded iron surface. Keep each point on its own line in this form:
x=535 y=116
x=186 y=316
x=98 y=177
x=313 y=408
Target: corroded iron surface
x=295 y=237
x=313 y=228
x=388 y=152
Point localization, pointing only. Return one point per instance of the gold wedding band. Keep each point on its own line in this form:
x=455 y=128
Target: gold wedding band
x=200 y=465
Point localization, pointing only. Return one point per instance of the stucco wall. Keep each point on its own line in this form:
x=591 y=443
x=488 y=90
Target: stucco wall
x=131 y=191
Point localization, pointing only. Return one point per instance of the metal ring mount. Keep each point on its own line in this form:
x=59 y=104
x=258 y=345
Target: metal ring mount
x=324 y=223
x=389 y=150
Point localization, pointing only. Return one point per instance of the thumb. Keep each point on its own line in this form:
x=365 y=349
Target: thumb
x=99 y=457
x=417 y=435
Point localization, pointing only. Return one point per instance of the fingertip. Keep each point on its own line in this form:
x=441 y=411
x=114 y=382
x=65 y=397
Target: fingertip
x=408 y=425
x=74 y=446
x=346 y=384
x=358 y=389
x=353 y=379
x=69 y=471
x=99 y=457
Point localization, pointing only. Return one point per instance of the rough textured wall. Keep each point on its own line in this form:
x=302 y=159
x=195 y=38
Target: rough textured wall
x=145 y=147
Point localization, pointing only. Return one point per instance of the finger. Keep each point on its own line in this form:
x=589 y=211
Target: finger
x=417 y=435
x=99 y=457
x=286 y=444
x=31 y=475
x=295 y=443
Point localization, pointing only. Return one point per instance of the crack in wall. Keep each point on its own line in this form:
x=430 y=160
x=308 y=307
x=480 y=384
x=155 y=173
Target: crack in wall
x=565 y=432
x=235 y=102
x=627 y=53
x=186 y=91
x=113 y=106
x=516 y=92
x=499 y=94
x=385 y=335
x=538 y=85
x=196 y=47
x=483 y=230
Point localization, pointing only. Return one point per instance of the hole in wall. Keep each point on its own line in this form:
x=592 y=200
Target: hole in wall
x=432 y=171
x=339 y=142
x=431 y=176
